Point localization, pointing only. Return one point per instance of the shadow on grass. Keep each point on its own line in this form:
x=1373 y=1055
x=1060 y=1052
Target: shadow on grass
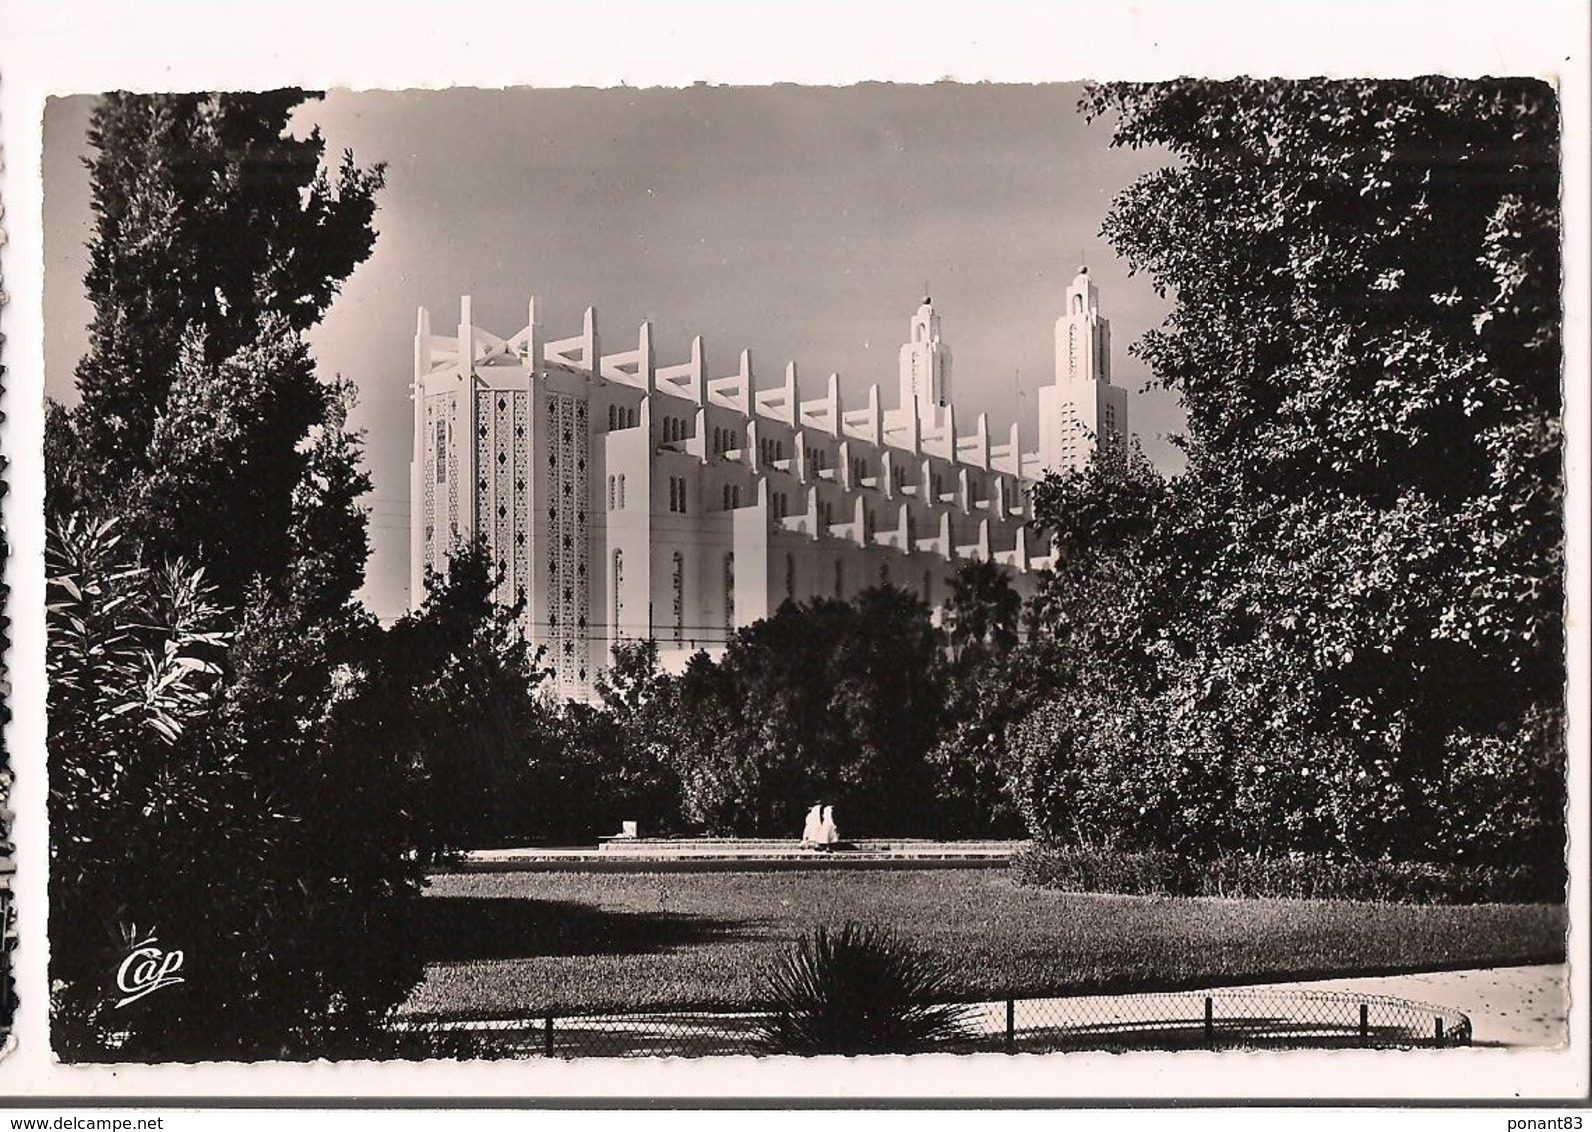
x=462 y=928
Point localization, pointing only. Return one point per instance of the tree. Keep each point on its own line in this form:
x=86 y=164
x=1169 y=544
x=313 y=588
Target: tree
x=210 y=220
x=219 y=239
x=1367 y=281
x=300 y=819
x=827 y=700
x=983 y=611
x=1366 y=341
x=461 y=691
x=639 y=781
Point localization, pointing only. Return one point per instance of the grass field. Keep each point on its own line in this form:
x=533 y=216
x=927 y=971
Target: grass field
x=513 y=943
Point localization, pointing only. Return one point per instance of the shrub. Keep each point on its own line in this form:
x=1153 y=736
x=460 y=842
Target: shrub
x=1293 y=877
x=858 y=989
x=1088 y=869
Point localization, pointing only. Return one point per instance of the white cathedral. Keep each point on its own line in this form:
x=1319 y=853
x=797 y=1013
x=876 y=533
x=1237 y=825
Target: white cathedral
x=624 y=499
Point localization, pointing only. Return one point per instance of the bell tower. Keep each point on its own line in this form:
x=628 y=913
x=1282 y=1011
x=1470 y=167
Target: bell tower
x=925 y=367
x=1082 y=412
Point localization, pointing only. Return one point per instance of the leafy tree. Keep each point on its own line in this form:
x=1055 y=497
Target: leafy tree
x=219 y=239
x=1367 y=277
x=639 y=781
x=467 y=681
x=1310 y=647
x=983 y=611
x=825 y=700
x=303 y=819
x=211 y=220
x=976 y=778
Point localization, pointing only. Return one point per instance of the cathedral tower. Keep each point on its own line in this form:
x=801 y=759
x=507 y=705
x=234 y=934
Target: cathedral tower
x=925 y=367
x=1082 y=410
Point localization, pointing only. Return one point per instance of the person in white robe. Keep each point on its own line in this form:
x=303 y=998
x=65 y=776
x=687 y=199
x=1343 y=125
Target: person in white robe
x=813 y=830
x=827 y=833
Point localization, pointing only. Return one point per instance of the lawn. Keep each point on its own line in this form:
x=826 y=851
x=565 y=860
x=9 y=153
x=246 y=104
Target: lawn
x=502 y=944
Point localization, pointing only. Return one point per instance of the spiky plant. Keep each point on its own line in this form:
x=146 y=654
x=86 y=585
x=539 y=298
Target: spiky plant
x=857 y=989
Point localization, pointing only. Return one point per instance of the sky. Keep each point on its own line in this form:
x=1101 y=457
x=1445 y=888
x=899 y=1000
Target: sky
x=803 y=223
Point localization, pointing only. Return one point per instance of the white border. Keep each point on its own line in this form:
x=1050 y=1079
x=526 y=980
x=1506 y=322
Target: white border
x=60 y=47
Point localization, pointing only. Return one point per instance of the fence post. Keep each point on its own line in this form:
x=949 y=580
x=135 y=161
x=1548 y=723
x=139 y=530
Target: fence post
x=1011 y=1025
x=547 y=1035
x=1439 y=1029
x=1365 y=1022
x=1210 y=1021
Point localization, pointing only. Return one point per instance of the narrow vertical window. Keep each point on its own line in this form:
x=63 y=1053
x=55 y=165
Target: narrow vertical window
x=611 y=489
x=621 y=491
x=729 y=595
x=619 y=581
x=613 y=417
x=679 y=597
x=790 y=577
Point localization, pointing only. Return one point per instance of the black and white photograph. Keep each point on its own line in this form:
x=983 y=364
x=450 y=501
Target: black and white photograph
x=553 y=574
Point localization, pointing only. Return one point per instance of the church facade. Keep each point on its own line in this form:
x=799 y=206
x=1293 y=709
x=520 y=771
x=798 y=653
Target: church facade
x=626 y=499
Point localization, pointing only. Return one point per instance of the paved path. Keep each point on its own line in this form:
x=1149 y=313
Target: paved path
x=1509 y=1007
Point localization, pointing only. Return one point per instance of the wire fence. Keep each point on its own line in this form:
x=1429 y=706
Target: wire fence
x=1224 y=1019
